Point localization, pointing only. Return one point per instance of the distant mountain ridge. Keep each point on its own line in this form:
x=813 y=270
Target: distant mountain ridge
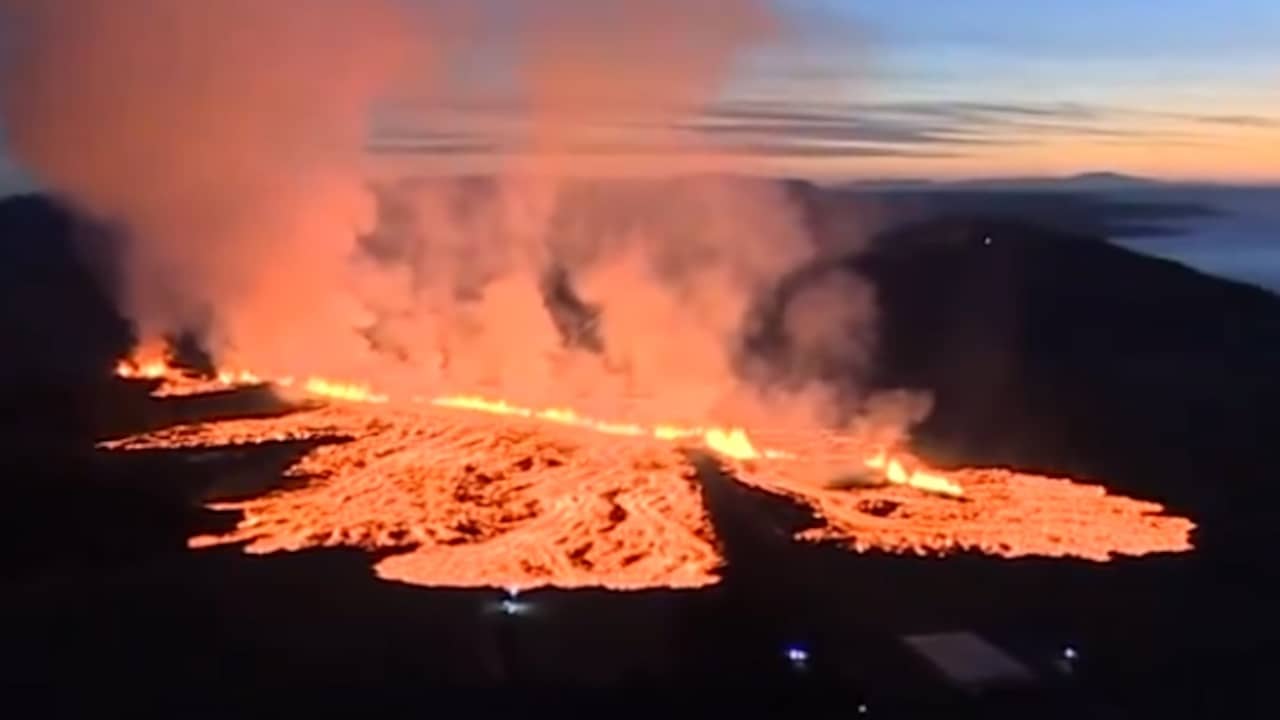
x=1084 y=182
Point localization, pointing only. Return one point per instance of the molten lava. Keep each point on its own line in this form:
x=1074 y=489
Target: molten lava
x=149 y=361
x=342 y=391
x=467 y=491
x=895 y=473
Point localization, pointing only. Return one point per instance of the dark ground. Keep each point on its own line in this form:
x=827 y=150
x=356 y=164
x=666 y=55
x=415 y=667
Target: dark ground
x=1046 y=352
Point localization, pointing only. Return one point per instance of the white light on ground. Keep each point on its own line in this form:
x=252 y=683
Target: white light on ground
x=797 y=655
x=1070 y=653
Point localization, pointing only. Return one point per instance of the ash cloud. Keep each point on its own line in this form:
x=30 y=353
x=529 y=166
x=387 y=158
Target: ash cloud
x=229 y=139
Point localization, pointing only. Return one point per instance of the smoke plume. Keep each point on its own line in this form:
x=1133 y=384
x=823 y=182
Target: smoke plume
x=229 y=139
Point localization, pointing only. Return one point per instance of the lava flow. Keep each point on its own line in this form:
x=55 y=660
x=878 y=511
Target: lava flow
x=464 y=491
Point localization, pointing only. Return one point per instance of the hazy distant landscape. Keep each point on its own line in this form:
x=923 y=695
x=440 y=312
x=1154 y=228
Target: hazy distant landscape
x=1240 y=242
x=1229 y=231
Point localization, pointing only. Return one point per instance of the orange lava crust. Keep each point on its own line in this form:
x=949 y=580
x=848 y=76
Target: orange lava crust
x=451 y=497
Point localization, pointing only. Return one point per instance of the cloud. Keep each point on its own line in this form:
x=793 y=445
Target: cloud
x=768 y=130
x=969 y=111
x=957 y=126
x=764 y=149
x=1244 y=121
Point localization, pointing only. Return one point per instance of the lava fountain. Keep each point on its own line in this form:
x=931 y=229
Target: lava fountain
x=467 y=491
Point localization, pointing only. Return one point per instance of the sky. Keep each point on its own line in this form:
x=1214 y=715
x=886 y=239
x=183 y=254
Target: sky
x=1172 y=89
x=1185 y=89
x=1175 y=89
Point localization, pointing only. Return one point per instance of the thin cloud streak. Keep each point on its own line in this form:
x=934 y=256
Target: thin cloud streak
x=771 y=130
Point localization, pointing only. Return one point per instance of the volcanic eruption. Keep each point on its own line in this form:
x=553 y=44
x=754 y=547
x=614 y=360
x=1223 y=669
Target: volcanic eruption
x=503 y=379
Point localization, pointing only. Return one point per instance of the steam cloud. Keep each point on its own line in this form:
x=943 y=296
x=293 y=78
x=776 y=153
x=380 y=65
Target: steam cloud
x=228 y=138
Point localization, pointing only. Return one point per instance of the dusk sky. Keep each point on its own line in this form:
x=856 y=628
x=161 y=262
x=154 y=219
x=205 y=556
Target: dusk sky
x=1176 y=89
x=1180 y=89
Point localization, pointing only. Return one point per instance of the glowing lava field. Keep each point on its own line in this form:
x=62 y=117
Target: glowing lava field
x=467 y=492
